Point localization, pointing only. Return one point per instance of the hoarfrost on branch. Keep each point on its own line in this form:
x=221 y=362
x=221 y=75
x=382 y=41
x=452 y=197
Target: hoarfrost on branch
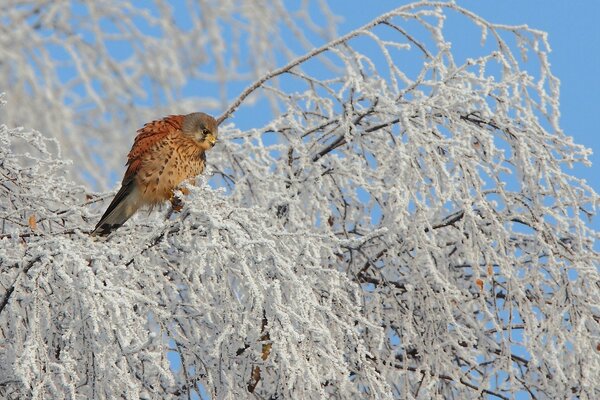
x=402 y=227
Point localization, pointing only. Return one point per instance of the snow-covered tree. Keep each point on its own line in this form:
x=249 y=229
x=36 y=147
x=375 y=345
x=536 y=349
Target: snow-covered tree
x=88 y=73
x=402 y=226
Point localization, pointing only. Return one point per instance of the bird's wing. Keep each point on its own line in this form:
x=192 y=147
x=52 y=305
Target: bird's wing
x=146 y=138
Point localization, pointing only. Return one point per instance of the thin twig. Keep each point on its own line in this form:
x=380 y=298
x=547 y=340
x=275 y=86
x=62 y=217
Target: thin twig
x=294 y=63
x=11 y=289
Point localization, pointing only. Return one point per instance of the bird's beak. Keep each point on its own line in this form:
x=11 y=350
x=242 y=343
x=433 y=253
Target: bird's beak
x=212 y=139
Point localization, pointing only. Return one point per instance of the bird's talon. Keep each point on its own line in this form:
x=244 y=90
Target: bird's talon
x=176 y=203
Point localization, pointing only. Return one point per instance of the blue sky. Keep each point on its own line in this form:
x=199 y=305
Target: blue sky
x=574 y=35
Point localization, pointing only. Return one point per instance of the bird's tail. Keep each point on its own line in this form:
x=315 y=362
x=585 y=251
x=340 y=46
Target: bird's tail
x=123 y=206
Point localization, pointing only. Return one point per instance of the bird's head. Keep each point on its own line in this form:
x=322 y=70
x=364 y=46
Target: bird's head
x=202 y=127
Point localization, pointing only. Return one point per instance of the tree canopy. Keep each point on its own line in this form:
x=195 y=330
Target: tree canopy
x=402 y=225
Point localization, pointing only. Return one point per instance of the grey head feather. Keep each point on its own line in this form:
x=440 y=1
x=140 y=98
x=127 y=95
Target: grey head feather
x=198 y=121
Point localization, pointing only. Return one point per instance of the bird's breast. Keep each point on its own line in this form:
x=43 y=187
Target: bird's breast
x=172 y=161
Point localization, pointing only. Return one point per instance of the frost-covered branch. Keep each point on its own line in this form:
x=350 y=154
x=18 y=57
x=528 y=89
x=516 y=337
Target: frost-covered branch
x=404 y=226
x=89 y=74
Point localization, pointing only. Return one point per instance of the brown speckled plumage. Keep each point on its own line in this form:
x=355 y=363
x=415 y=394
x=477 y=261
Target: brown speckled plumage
x=164 y=154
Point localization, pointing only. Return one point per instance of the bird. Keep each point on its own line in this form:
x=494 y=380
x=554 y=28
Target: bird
x=164 y=154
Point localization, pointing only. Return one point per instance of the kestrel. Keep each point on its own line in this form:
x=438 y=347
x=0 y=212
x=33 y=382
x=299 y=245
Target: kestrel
x=164 y=154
